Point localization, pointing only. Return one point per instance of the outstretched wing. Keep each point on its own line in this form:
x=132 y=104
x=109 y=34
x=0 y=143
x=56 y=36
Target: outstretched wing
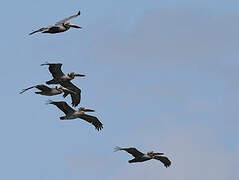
x=164 y=160
x=43 y=87
x=93 y=120
x=67 y=19
x=133 y=151
x=62 y=105
x=41 y=29
x=40 y=86
x=55 y=69
x=76 y=97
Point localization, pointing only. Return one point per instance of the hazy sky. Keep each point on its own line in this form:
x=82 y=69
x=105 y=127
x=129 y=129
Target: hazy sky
x=161 y=75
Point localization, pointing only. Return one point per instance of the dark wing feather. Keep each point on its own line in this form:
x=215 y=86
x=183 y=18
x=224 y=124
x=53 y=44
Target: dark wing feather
x=55 y=69
x=62 y=105
x=43 y=87
x=164 y=160
x=93 y=120
x=67 y=19
x=76 y=98
x=133 y=151
x=39 y=30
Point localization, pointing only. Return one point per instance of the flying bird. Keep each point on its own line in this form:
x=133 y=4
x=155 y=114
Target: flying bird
x=60 y=78
x=58 y=75
x=60 y=26
x=80 y=113
x=47 y=91
x=140 y=157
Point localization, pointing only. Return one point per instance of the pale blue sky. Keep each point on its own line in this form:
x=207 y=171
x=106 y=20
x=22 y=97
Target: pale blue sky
x=161 y=75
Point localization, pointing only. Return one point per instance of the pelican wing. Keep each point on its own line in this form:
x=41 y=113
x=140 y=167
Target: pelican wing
x=93 y=120
x=43 y=87
x=133 y=151
x=39 y=30
x=40 y=87
x=76 y=97
x=67 y=19
x=164 y=160
x=55 y=69
x=62 y=105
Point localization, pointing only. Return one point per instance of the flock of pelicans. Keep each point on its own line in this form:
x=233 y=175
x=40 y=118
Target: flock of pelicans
x=67 y=87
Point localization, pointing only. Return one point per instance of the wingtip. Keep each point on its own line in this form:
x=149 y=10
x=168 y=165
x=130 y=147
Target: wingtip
x=78 y=13
x=22 y=91
x=117 y=148
x=73 y=104
x=167 y=165
x=46 y=63
x=99 y=128
x=49 y=102
x=31 y=33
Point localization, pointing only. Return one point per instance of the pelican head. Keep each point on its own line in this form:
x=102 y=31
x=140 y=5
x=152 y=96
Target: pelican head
x=63 y=89
x=86 y=110
x=58 y=87
x=152 y=153
x=72 y=75
x=67 y=24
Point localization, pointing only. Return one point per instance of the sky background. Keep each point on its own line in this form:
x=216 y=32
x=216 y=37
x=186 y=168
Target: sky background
x=161 y=75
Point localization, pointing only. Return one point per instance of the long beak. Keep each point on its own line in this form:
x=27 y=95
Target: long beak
x=81 y=75
x=68 y=90
x=89 y=110
x=74 y=26
x=158 y=153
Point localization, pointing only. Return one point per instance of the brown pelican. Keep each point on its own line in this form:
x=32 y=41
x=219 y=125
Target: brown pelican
x=58 y=75
x=60 y=78
x=47 y=91
x=80 y=113
x=60 y=26
x=140 y=157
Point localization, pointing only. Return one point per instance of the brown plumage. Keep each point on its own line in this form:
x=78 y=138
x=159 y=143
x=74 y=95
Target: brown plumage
x=65 y=80
x=141 y=157
x=59 y=27
x=80 y=113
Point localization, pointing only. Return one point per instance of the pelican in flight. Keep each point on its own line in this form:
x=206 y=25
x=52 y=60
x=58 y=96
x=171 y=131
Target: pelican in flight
x=58 y=75
x=47 y=91
x=60 y=26
x=140 y=157
x=80 y=113
x=60 y=78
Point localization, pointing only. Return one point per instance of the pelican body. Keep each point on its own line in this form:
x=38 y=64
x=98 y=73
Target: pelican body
x=80 y=113
x=141 y=157
x=47 y=91
x=58 y=76
x=59 y=27
x=65 y=80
